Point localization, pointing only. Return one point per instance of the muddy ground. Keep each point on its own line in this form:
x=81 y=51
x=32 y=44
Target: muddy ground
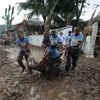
x=84 y=84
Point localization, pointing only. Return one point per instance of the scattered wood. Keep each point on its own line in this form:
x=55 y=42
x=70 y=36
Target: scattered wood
x=9 y=91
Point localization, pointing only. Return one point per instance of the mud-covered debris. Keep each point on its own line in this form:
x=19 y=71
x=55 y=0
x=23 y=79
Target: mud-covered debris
x=85 y=80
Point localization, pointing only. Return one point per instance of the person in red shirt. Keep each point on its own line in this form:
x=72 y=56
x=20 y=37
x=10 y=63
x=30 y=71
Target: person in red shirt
x=8 y=35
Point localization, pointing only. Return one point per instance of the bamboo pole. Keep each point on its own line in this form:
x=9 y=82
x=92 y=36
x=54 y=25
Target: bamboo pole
x=88 y=24
x=92 y=20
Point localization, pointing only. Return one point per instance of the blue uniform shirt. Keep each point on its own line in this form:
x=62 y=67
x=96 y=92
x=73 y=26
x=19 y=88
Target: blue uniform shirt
x=68 y=39
x=23 y=42
x=53 y=52
x=75 y=40
x=56 y=40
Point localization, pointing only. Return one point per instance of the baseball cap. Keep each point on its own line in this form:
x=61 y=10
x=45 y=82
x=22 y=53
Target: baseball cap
x=53 y=32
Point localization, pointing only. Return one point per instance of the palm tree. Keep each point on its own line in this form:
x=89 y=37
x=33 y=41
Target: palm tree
x=36 y=7
x=69 y=9
x=65 y=9
x=39 y=7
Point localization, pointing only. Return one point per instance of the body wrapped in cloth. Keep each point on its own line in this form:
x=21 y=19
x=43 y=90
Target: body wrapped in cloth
x=41 y=65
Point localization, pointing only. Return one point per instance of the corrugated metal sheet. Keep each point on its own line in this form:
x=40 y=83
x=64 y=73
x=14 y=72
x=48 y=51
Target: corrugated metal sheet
x=35 y=21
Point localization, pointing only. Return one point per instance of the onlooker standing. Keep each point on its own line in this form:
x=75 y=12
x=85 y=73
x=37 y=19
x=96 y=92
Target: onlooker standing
x=46 y=36
x=73 y=49
x=7 y=35
x=68 y=37
x=55 y=39
x=61 y=36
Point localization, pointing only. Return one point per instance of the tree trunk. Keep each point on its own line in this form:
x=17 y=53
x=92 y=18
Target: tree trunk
x=48 y=21
x=69 y=18
x=44 y=18
x=79 y=12
x=67 y=22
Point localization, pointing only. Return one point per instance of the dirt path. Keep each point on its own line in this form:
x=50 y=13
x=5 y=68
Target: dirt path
x=84 y=84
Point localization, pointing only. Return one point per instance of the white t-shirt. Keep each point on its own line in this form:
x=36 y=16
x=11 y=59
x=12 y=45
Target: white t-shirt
x=62 y=37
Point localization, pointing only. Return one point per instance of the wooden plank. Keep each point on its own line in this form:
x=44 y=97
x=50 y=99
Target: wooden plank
x=98 y=35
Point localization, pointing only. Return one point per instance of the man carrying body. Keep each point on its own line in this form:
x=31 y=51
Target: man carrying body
x=53 y=64
x=73 y=49
x=23 y=42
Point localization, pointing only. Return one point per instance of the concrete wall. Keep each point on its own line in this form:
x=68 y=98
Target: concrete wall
x=89 y=43
x=36 y=40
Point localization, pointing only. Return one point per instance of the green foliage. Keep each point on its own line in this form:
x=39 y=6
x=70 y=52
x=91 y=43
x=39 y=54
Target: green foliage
x=64 y=9
x=8 y=17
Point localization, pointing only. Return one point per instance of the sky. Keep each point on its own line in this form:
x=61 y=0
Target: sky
x=18 y=18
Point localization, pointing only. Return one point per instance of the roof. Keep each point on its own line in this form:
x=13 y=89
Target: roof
x=10 y=29
x=2 y=28
x=35 y=21
x=32 y=21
